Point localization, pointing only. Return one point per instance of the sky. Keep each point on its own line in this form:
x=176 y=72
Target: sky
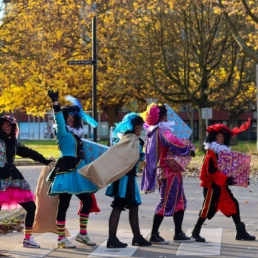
x=1 y=8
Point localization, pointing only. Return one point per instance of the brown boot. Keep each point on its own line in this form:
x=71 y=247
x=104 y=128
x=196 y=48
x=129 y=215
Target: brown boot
x=241 y=233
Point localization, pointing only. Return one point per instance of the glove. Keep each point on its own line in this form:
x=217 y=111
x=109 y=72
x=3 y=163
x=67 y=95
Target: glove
x=47 y=161
x=53 y=95
x=230 y=181
x=192 y=153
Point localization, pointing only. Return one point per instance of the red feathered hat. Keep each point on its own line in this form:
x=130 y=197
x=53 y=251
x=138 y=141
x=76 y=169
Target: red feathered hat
x=225 y=129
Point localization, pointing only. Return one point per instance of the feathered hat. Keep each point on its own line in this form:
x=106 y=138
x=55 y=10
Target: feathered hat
x=213 y=130
x=127 y=124
x=221 y=128
x=154 y=113
x=76 y=109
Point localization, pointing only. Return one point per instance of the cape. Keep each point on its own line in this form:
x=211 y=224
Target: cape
x=113 y=164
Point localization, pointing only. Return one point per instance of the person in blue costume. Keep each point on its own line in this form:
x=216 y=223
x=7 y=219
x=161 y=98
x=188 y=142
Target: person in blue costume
x=65 y=179
x=125 y=190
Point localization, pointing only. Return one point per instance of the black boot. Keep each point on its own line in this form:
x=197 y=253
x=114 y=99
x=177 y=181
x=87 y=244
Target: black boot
x=196 y=234
x=242 y=234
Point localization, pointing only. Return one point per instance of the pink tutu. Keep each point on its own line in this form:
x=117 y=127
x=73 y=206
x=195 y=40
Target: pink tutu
x=10 y=198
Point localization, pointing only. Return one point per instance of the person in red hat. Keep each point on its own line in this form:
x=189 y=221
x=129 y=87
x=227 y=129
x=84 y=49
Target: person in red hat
x=217 y=195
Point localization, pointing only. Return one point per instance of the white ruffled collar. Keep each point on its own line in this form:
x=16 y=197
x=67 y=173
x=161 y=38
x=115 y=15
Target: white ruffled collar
x=217 y=148
x=161 y=124
x=76 y=131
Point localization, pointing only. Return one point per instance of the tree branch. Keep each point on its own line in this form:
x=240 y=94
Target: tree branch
x=244 y=48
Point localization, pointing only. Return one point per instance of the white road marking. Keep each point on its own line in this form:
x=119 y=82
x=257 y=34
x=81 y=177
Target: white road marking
x=45 y=247
x=212 y=246
x=124 y=236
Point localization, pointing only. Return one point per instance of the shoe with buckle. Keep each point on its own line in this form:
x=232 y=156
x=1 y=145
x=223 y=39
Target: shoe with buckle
x=85 y=239
x=30 y=243
x=140 y=241
x=157 y=239
x=65 y=243
x=182 y=238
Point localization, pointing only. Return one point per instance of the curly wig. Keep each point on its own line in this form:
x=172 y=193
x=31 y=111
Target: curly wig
x=13 y=122
x=73 y=110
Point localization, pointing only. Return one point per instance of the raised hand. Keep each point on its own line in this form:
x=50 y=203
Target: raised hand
x=53 y=95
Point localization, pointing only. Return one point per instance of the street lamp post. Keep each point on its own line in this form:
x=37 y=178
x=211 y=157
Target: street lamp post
x=93 y=63
x=257 y=106
x=94 y=75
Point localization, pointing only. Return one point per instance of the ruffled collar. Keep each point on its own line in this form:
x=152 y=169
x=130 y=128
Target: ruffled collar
x=217 y=148
x=169 y=124
x=76 y=131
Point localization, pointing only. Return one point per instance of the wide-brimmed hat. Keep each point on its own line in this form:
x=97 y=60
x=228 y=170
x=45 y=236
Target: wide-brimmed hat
x=222 y=128
x=154 y=113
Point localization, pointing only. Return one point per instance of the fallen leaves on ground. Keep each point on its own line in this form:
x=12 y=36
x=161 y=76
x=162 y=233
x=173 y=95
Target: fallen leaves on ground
x=12 y=224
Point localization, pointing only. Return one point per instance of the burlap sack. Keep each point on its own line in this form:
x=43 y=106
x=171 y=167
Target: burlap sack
x=114 y=163
x=45 y=217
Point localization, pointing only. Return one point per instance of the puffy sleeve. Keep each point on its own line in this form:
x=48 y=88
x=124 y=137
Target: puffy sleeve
x=59 y=119
x=173 y=143
x=210 y=171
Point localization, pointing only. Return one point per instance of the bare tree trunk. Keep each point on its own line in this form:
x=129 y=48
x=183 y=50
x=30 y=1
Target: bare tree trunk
x=202 y=130
x=112 y=115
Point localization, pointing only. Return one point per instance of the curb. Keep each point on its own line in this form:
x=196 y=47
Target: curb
x=11 y=214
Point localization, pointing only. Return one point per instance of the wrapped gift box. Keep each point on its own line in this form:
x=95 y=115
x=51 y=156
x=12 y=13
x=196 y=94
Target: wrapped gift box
x=235 y=164
x=180 y=129
x=179 y=163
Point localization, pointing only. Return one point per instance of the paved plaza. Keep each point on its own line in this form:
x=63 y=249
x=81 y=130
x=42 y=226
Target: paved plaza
x=219 y=232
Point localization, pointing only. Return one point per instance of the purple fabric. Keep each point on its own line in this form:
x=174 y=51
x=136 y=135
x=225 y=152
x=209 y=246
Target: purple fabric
x=148 y=183
x=174 y=144
x=172 y=196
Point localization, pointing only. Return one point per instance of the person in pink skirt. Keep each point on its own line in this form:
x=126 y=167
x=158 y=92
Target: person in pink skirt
x=14 y=189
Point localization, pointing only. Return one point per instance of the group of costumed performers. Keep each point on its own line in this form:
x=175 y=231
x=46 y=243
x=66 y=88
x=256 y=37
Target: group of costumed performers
x=14 y=189
x=217 y=195
x=160 y=140
x=117 y=169
x=65 y=178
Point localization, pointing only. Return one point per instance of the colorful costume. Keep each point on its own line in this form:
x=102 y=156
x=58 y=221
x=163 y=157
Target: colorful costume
x=125 y=190
x=65 y=177
x=217 y=195
x=14 y=189
x=160 y=140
